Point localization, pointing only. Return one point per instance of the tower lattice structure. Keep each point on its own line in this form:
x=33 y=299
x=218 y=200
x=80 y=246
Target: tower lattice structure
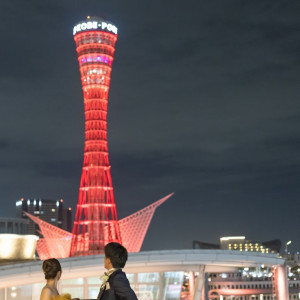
x=96 y=221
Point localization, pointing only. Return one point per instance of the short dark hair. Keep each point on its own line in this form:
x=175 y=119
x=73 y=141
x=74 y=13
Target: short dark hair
x=51 y=267
x=117 y=254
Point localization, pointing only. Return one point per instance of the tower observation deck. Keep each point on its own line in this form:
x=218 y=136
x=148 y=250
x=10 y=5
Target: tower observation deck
x=96 y=220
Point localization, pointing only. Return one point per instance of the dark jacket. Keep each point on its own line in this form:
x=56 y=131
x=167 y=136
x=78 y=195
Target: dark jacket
x=119 y=288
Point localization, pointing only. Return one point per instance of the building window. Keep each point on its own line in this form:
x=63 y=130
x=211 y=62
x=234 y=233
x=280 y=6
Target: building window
x=148 y=277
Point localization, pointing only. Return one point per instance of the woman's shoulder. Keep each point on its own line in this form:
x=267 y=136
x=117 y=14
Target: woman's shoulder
x=46 y=293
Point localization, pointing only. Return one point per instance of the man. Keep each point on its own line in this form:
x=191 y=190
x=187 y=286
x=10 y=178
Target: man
x=115 y=285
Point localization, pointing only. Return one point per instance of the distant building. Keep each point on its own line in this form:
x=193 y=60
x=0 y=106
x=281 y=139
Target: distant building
x=13 y=225
x=51 y=211
x=251 y=283
x=239 y=243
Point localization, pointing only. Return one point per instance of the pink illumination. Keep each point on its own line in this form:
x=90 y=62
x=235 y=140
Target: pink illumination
x=280 y=281
x=57 y=242
x=96 y=221
x=134 y=227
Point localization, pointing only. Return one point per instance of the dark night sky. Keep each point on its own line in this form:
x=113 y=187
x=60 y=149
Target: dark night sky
x=204 y=101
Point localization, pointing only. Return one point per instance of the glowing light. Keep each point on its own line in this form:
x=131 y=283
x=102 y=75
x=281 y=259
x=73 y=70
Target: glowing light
x=28 y=202
x=18 y=203
x=14 y=246
x=288 y=243
x=57 y=203
x=232 y=238
x=95 y=25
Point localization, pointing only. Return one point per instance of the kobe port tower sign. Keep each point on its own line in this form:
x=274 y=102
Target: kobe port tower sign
x=94 y=25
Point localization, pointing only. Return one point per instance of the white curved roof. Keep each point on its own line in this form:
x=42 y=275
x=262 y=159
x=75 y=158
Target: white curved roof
x=146 y=261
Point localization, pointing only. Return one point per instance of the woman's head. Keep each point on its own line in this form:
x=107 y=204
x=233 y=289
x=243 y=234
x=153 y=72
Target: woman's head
x=51 y=267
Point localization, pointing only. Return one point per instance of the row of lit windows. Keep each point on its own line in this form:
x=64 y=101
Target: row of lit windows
x=246 y=244
x=248 y=247
x=95 y=80
x=294 y=285
x=92 y=59
x=257 y=297
x=89 y=38
x=90 y=71
x=249 y=298
x=98 y=50
x=241 y=286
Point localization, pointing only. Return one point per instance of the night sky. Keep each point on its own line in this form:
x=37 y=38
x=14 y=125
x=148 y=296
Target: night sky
x=204 y=102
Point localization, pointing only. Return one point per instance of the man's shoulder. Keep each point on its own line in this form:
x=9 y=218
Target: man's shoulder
x=119 y=278
x=118 y=274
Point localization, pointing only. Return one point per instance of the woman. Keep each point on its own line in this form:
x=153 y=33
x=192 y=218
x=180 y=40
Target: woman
x=52 y=270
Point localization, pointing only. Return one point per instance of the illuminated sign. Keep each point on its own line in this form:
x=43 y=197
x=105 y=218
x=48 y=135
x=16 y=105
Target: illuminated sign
x=90 y=25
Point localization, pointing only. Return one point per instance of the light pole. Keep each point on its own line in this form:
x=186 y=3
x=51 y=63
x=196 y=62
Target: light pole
x=286 y=246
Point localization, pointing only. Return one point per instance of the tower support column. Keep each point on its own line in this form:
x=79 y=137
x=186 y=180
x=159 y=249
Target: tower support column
x=199 y=284
x=192 y=283
x=281 y=278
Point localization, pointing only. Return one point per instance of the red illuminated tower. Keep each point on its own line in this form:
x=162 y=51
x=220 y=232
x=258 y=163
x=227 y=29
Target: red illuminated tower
x=96 y=220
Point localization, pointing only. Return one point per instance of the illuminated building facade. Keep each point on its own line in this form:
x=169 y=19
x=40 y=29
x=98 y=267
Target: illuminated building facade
x=239 y=243
x=51 y=211
x=259 y=283
x=96 y=221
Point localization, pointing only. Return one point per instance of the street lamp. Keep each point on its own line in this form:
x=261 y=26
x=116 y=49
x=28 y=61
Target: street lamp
x=286 y=246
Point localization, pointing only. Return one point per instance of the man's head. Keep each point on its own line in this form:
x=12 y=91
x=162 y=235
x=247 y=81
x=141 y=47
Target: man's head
x=115 y=256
